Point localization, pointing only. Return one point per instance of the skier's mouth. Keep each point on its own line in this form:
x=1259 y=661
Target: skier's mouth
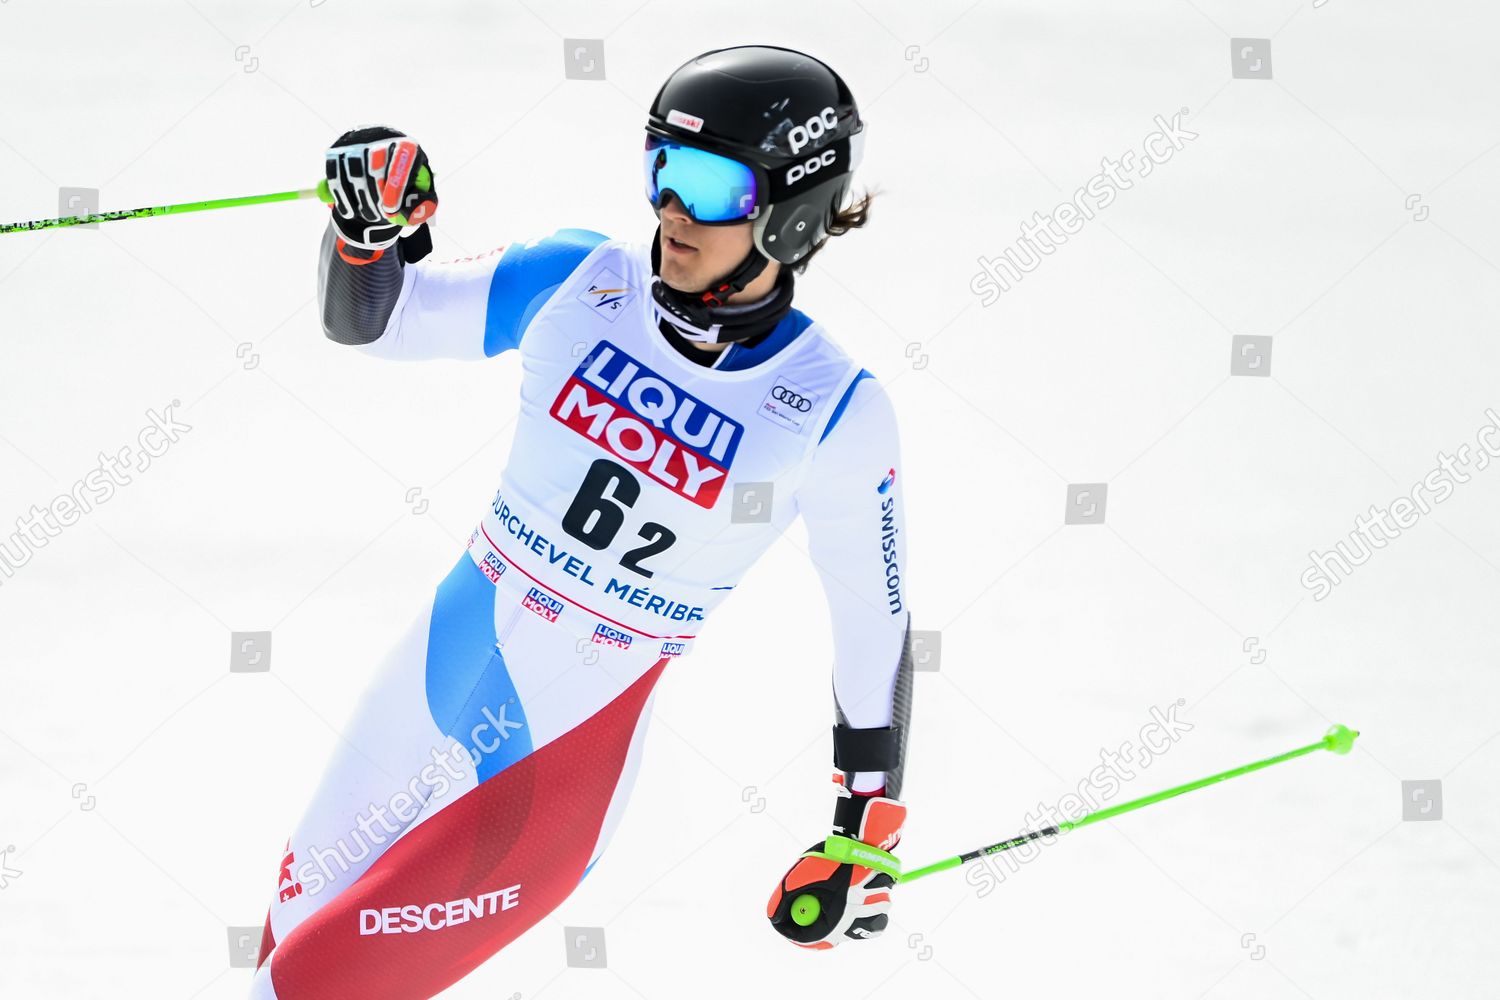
x=679 y=246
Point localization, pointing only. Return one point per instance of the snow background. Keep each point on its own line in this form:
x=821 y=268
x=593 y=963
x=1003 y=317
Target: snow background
x=146 y=791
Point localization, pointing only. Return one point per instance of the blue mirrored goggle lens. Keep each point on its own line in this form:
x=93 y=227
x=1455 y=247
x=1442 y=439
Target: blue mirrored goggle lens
x=712 y=188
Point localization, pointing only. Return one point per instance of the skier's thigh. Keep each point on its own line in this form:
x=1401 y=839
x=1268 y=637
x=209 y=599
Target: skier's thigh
x=393 y=755
x=470 y=877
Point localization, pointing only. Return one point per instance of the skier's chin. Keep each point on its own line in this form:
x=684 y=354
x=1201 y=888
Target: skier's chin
x=682 y=279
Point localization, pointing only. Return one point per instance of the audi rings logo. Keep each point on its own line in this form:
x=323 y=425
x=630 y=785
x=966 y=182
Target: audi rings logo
x=788 y=405
x=795 y=400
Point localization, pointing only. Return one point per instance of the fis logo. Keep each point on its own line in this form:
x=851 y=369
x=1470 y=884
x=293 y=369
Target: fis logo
x=607 y=294
x=887 y=482
x=492 y=567
x=649 y=423
x=672 y=648
x=545 y=605
x=606 y=636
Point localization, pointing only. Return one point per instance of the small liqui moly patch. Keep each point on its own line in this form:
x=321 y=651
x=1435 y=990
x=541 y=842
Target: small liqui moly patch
x=684 y=120
x=541 y=603
x=492 y=567
x=650 y=424
x=606 y=636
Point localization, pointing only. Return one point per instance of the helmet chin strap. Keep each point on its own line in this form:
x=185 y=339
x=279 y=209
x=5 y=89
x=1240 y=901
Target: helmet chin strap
x=707 y=317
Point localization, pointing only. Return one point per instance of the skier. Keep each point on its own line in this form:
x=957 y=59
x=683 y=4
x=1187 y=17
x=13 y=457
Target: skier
x=676 y=415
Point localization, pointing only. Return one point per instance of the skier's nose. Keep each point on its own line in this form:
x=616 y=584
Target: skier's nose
x=672 y=205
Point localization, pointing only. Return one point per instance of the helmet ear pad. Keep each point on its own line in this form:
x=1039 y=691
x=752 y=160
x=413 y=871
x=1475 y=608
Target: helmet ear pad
x=799 y=222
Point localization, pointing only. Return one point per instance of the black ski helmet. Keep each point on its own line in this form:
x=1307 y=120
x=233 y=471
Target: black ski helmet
x=786 y=115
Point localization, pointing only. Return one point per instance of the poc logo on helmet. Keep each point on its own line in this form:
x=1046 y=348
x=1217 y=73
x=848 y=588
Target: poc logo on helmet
x=811 y=166
x=824 y=121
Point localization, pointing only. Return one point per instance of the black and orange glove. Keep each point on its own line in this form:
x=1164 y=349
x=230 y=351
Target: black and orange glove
x=841 y=886
x=378 y=183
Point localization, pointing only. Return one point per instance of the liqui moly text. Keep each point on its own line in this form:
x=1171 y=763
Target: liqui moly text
x=650 y=424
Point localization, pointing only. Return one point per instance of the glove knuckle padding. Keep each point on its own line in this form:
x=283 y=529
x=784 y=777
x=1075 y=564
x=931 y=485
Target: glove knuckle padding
x=381 y=182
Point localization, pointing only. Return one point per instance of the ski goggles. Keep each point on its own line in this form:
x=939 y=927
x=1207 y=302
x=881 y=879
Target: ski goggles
x=713 y=189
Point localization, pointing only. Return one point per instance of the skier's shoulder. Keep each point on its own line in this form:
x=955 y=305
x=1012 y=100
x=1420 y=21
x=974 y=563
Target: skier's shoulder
x=557 y=254
x=543 y=264
x=816 y=334
x=863 y=402
x=528 y=260
x=822 y=361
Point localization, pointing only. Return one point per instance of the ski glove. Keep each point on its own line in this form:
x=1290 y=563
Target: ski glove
x=378 y=181
x=841 y=886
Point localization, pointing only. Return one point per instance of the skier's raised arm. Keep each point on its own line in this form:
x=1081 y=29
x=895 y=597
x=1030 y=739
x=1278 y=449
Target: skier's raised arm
x=377 y=292
x=851 y=503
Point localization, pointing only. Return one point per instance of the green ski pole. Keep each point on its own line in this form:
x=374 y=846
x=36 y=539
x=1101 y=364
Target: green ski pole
x=320 y=192
x=1339 y=739
x=807 y=907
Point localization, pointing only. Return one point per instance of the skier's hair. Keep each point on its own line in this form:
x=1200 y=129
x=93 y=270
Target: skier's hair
x=853 y=216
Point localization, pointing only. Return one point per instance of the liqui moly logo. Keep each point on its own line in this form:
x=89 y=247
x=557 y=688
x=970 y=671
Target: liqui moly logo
x=649 y=423
x=492 y=567
x=606 y=636
x=672 y=648
x=545 y=605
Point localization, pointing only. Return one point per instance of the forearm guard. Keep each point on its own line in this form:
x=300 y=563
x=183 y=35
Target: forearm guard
x=358 y=288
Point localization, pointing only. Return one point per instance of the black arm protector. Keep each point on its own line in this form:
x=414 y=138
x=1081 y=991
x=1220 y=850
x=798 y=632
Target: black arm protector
x=880 y=749
x=356 y=300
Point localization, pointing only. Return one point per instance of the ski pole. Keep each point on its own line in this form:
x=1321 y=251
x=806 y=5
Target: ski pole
x=806 y=907
x=320 y=192
x=1339 y=739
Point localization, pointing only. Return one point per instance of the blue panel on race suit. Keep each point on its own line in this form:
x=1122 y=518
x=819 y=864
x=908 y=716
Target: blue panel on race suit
x=469 y=690
x=838 y=411
x=547 y=264
x=740 y=356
